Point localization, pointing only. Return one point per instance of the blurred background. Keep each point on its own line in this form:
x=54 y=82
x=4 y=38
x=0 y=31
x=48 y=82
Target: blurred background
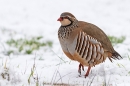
x=20 y=18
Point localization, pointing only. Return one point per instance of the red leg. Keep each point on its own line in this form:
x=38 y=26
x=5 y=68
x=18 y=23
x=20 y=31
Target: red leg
x=87 y=73
x=80 y=66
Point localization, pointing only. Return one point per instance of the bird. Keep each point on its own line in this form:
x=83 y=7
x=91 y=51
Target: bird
x=84 y=42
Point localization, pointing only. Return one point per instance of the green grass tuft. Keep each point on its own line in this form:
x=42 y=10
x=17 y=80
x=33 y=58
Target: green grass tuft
x=27 y=45
x=116 y=40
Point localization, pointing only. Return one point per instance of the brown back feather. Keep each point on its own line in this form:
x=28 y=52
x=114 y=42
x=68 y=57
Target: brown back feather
x=98 y=34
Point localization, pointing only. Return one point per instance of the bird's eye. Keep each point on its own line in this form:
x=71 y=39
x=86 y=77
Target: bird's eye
x=61 y=18
x=65 y=17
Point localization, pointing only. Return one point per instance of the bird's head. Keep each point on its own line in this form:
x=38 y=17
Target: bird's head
x=66 y=19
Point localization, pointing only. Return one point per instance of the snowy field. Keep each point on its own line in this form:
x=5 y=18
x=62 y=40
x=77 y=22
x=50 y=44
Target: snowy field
x=26 y=18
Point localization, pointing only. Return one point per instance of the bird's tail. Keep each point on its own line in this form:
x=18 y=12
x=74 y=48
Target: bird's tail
x=115 y=56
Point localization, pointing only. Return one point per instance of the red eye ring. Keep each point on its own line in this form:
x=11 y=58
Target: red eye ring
x=65 y=17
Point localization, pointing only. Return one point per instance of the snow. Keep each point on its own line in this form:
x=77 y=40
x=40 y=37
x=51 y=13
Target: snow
x=19 y=18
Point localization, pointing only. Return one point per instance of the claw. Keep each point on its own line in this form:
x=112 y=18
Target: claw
x=79 y=71
x=80 y=66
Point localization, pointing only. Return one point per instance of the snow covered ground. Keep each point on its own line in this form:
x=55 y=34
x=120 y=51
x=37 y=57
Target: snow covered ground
x=39 y=17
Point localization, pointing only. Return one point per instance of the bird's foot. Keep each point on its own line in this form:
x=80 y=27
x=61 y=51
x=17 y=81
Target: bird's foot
x=87 y=73
x=80 y=66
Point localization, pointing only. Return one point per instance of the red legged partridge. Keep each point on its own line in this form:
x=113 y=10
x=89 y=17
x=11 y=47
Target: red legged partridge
x=84 y=42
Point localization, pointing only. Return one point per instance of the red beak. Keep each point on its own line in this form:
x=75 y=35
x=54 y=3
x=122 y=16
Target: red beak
x=60 y=19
